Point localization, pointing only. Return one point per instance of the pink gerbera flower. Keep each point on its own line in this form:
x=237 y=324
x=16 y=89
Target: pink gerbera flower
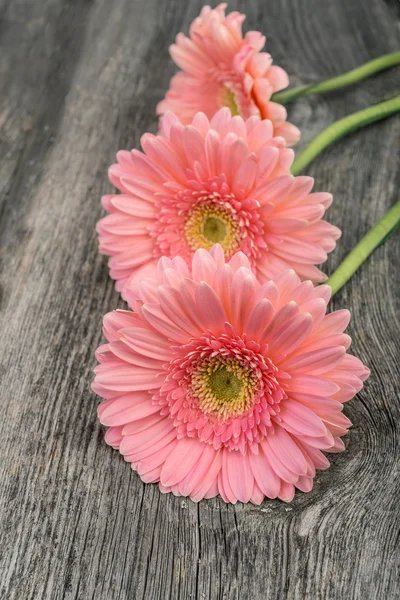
x=221 y=68
x=226 y=181
x=218 y=384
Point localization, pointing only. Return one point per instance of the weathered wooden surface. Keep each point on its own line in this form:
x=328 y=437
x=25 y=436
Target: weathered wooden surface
x=79 y=80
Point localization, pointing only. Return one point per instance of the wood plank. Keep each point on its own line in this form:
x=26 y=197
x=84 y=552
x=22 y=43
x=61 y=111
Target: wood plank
x=78 y=81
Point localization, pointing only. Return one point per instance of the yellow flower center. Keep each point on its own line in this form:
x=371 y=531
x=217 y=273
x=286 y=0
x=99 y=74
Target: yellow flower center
x=224 y=384
x=223 y=387
x=208 y=225
x=228 y=99
x=214 y=229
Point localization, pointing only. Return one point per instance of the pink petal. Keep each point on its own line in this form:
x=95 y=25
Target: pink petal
x=322 y=443
x=256 y=496
x=126 y=408
x=268 y=158
x=259 y=319
x=245 y=175
x=127 y=378
x=286 y=450
x=138 y=425
x=273 y=190
x=224 y=484
x=134 y=445
x=239 y=260
x=290 y=335
x=266 y=478
x=203 y=486
x=286 y=492
x=311 y=384
x=243 y=290
x=212 y=144
x=276 y=464
x=260 y=135
x=156 y=317
x=181 y=460
x=193 y=145
x=147 y=343
x=155 y=459
x=315 y=362
x=287 y=281
x=301 y=418
x=198 y=472
x=282 y=317
x=290 y=132
x=278 y=77
x=319 y=460
x=335 y=322
x=113 y=437
x=212 y=490
x=114 y=321
x=172 y=305
x=122 y=351
x=318 y=404
x=137 y=207
x=241 y=478
x=210 y=309
x=338 y=446
x=305 y=484
x=203 y=266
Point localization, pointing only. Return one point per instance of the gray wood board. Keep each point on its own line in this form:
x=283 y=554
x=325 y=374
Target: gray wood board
x=80 y=80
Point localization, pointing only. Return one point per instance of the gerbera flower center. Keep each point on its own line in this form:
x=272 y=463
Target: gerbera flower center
x=214 y=229
x=223 y=387
x=228 y=98
x=233 y=93
x=206 y=213
x=223 y=390
x=208 y=224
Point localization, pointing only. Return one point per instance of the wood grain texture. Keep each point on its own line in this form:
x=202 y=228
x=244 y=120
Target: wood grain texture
x=78 y=81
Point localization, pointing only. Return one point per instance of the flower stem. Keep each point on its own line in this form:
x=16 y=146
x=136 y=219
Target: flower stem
x=370 y=68
x=360 y=253
x=340 y=128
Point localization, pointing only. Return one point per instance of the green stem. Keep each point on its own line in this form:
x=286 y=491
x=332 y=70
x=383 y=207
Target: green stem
x=344 y=126
x=370 y=68
x=360 y=253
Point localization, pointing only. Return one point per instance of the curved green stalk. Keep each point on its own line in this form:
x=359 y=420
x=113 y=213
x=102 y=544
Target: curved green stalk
x=360 y=253
x=370 y=68
x=344 y=126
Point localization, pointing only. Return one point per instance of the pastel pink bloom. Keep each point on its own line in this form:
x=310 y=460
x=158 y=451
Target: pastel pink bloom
x=220 y=68
x=218 y=384
x=222 y=181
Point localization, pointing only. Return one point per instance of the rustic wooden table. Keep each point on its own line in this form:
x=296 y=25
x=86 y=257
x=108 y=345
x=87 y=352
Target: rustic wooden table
x=80 y=80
